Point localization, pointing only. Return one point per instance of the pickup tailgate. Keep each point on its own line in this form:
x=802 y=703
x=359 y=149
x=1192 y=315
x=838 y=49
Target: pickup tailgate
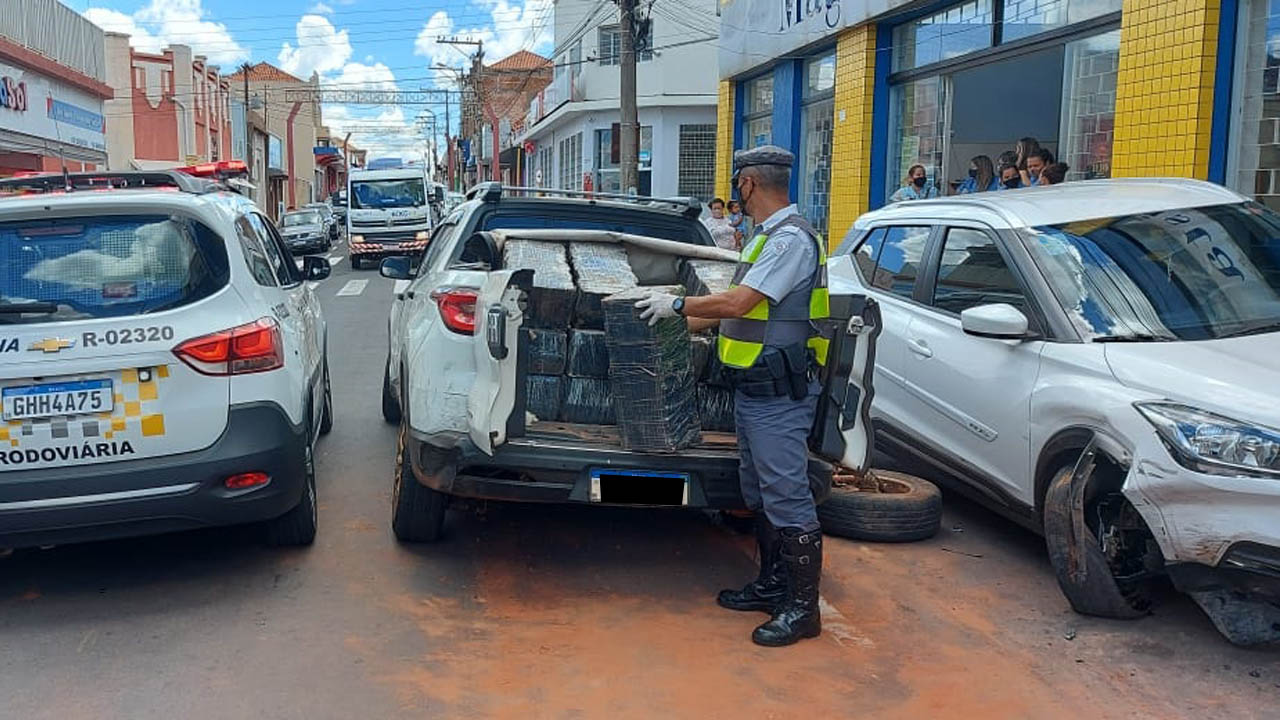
x=498 y=320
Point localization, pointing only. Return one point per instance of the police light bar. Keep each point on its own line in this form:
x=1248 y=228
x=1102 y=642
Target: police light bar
x=222 y=169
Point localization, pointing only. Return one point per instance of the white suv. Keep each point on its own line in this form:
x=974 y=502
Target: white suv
x=162 y=362
x=1098 y=361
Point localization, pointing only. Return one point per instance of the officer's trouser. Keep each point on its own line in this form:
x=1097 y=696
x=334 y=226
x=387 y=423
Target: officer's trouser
x=773 y=439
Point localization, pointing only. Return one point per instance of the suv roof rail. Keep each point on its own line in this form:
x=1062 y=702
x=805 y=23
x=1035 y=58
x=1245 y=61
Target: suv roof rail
x=491 y=191
x=107 y=180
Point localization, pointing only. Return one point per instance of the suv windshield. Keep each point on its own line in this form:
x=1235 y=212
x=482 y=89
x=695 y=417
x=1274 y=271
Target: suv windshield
x=302 y=218
x=388 y=193
x=1190 y=274
x=97 y=267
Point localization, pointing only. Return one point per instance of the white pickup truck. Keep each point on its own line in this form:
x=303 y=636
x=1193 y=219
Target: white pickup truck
x=458 y=360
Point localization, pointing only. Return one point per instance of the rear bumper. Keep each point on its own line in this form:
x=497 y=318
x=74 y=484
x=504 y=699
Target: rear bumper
x=311 y=245
x=556 y=471
x=373 y=247
x=143 y=497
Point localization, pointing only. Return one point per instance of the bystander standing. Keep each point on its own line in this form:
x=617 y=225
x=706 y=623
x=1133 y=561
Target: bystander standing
x=982 y=177
x=1054 y=174
x=915 y=186
x=722 y=231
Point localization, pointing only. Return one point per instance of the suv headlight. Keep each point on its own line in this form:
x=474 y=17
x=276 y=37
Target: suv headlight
x=1213 y=444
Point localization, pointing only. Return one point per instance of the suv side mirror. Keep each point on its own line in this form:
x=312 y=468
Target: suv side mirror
x=396 y=268
x=315 y=268
x=1000 y=321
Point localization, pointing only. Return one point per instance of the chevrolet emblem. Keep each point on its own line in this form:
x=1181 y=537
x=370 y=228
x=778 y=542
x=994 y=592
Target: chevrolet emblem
x=52 y=345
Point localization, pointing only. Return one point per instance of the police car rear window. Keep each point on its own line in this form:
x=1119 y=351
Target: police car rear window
x=97 y=267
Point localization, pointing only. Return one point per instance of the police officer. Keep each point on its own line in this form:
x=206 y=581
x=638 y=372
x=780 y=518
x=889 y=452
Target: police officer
x=771 y=347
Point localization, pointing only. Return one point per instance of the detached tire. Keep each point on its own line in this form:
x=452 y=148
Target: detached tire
x=417 y=512
x=1095 y=591
x=885 y=506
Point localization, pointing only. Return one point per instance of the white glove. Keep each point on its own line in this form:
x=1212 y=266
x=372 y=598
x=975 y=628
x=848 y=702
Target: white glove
x=656 y=306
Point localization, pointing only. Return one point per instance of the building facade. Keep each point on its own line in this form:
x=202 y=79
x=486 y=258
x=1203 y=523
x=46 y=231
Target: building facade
x=169 y=109
x=570 y=141
x=53 y=85
x=284 y=113
x=500 y=93
x=861 y=91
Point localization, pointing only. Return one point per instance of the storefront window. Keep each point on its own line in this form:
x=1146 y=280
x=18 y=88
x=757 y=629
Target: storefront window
x=919 y=121
x=759 y=111
x=1024 y=18
x=571 y=162
x=815 y=141
x=608 y=174
x=950 y=33
x=1255 y=156
x=1089 y=105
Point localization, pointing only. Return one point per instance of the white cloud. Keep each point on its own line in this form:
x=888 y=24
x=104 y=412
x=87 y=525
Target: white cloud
x=167 y=22
x=513 y=26
x=321 y=9
x=321 y=48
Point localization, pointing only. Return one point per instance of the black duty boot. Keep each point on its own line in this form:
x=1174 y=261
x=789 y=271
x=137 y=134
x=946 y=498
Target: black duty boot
x=770 y=587
x=798 y=617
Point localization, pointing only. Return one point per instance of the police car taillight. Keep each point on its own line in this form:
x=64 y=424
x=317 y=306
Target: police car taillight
x=252 y=348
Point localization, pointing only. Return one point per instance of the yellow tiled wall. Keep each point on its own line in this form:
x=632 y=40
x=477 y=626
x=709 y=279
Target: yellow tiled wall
x=724 y=139
x=1164 y=95
x=851 y=137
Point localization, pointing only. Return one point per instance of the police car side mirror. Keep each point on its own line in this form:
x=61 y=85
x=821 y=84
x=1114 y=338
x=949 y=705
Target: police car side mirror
x=315 y=268
x=1000 y=321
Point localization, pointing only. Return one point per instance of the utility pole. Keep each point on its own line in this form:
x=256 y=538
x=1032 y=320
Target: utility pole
x=448 y=142
x=628 y=152
x=477 y=83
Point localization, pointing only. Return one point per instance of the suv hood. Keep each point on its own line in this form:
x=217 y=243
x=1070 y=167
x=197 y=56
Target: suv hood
x=1237 y=377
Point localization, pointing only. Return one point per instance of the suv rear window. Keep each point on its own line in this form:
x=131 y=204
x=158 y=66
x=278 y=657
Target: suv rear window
x=96 y=267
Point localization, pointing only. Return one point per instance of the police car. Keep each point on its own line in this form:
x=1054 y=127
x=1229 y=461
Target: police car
x=162 y=362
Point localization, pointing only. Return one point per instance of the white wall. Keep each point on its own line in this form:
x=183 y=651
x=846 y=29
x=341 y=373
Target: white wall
x=119 y=109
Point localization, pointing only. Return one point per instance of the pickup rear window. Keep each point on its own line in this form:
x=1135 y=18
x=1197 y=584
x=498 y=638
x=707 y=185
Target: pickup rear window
x=94 y=267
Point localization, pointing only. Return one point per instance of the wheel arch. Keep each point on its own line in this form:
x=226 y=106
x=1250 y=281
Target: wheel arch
x=1065 y=448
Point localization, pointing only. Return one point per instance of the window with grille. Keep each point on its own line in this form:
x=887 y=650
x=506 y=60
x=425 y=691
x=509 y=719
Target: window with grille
x=697 y=158
x=611 y=44
x=817 y=114
x=571 y=162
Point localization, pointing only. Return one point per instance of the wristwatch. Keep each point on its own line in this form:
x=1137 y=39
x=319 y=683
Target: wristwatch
x=678 y=306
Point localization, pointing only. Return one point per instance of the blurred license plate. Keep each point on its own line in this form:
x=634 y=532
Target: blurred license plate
x=639 y=487
x=54 y=399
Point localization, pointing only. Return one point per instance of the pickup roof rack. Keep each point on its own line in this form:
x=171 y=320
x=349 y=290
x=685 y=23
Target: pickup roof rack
x=492 y=191
x=128 y=180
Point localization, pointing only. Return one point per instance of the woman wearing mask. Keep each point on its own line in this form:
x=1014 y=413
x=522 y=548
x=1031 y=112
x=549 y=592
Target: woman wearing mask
x=982 y=177
x=722 y=231
x=1010 y=178
x=915 y=186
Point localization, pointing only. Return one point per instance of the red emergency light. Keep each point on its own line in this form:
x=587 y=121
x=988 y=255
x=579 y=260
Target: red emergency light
x=222 y=169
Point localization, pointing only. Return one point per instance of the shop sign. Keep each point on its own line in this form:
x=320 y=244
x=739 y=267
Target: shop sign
x=755 y=33
x=71 y=116
x=13 y=94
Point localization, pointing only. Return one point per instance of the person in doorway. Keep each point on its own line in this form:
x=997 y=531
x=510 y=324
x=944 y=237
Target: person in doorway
x=1036 y=164
x=1010 y=177
x=771 y=350
x=915 y=186
x=739 y=221
x=1054 y=174
x=721 y=229
x=982 y=177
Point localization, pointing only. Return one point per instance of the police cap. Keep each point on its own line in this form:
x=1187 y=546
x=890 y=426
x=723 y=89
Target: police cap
x=763 y=155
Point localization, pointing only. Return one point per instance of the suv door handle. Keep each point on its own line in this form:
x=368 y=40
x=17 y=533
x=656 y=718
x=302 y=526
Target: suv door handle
x=919 y=347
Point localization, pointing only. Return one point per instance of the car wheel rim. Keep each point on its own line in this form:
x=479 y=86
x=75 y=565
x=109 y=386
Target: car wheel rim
x=311 y=485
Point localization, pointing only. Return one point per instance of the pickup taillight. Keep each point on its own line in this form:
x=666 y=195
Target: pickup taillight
x=457 y=308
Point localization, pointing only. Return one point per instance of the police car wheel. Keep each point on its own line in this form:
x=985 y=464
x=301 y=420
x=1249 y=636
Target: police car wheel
x=882 y=506
x=298 y=526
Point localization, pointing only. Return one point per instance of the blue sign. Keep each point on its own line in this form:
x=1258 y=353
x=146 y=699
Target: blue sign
x=79 y=117
x=324 y=150
x=465 y=145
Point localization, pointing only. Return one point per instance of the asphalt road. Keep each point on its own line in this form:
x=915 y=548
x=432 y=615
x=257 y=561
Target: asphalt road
x=571 y=612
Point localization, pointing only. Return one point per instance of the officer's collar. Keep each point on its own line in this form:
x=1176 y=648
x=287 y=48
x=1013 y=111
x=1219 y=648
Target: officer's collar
x=779 y=216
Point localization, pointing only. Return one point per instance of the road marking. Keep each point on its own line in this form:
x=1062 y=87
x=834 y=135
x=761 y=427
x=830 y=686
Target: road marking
x=353 y=288
x=334 y=260
x=401 y=286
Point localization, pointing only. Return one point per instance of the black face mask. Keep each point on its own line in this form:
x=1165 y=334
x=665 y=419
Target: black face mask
x=1013 y=183
x=920 y=181
x=973 y=172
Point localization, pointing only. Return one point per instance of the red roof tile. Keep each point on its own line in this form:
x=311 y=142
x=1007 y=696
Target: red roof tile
x=265 y=72
x=522 y=60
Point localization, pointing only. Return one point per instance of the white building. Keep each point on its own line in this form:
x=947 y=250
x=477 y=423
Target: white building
x=570 y=136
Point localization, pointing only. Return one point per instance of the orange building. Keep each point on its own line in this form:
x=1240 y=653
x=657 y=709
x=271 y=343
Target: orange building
x=169 y=109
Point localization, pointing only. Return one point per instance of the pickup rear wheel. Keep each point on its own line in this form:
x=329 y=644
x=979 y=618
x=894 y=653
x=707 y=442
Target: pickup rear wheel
x=882 y=506
x=417 y=511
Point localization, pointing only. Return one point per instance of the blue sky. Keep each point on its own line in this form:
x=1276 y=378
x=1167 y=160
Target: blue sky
x=379 y=44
